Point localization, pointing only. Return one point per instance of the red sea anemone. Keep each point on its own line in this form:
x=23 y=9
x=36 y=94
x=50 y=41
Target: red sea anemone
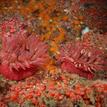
x=80 y=59
x=21 y=53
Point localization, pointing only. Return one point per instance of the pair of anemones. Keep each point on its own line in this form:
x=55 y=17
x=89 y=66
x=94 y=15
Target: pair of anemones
x=23 y=53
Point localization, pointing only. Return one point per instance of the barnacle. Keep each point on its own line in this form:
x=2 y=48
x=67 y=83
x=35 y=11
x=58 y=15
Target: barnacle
x=80 y=59
x=21 y=53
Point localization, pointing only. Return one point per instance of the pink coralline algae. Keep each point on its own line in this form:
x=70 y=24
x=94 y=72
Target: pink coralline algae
x=95 y=39
x=21 y=53
x=83 y=60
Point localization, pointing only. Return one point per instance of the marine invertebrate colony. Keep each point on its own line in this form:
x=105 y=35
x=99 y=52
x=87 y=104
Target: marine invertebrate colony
x=21 y=53
x=49 y=92
x=81 y=59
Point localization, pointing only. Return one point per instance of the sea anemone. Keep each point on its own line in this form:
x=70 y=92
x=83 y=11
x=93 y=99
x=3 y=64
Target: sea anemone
x=21 y=52
x=81 y=59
